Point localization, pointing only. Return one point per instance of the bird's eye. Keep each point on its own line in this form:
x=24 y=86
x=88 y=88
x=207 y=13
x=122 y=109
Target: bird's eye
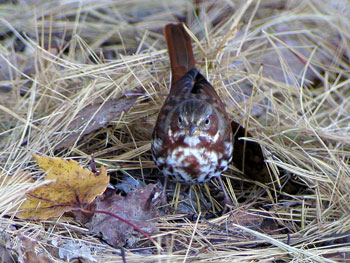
x=180 y=119
x=207 y=121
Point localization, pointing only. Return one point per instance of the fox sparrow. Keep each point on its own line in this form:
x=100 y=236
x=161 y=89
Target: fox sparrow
x=192 y=138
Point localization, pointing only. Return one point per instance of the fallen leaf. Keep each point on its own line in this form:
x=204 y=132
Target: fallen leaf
x=75 y=250
x=247 y=219
x=256 y=220
x=31 y=252
x=7 y=244
x=94 y=117
x=5 y=256
x=138 y=207
x=129 y=184
x=69 y=186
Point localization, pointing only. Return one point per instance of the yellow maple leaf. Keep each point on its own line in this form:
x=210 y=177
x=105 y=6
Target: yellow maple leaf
x=69 y=187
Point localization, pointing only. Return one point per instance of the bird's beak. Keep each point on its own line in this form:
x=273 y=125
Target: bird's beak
x=192 y=130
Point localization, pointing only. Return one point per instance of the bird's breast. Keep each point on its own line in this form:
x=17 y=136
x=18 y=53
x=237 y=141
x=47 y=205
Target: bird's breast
x=189 y=159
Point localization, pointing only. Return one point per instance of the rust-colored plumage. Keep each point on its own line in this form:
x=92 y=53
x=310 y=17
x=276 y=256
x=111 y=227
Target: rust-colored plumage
x=192 y=139
x=180 y=51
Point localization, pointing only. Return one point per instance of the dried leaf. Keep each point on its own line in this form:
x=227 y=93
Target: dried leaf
x=94 y=117
x=247 y=219
x=31 y=252
x=69 y=186
x=5 y=255
x=255 y=220
x=74 y=250
x=7 y=246
x=137 y=207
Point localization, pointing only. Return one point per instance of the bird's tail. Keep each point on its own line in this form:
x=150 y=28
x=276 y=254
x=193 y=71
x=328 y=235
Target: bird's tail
x=180 y=51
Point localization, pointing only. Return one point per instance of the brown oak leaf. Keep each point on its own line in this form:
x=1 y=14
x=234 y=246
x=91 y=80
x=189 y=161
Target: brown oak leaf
x=138 y=207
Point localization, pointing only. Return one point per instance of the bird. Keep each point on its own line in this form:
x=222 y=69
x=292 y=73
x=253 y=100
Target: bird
x=192 y=137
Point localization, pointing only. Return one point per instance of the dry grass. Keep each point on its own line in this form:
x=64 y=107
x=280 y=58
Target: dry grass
x=282 y=68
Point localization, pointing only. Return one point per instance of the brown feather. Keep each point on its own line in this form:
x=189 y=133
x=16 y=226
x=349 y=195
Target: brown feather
x=180 y=51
